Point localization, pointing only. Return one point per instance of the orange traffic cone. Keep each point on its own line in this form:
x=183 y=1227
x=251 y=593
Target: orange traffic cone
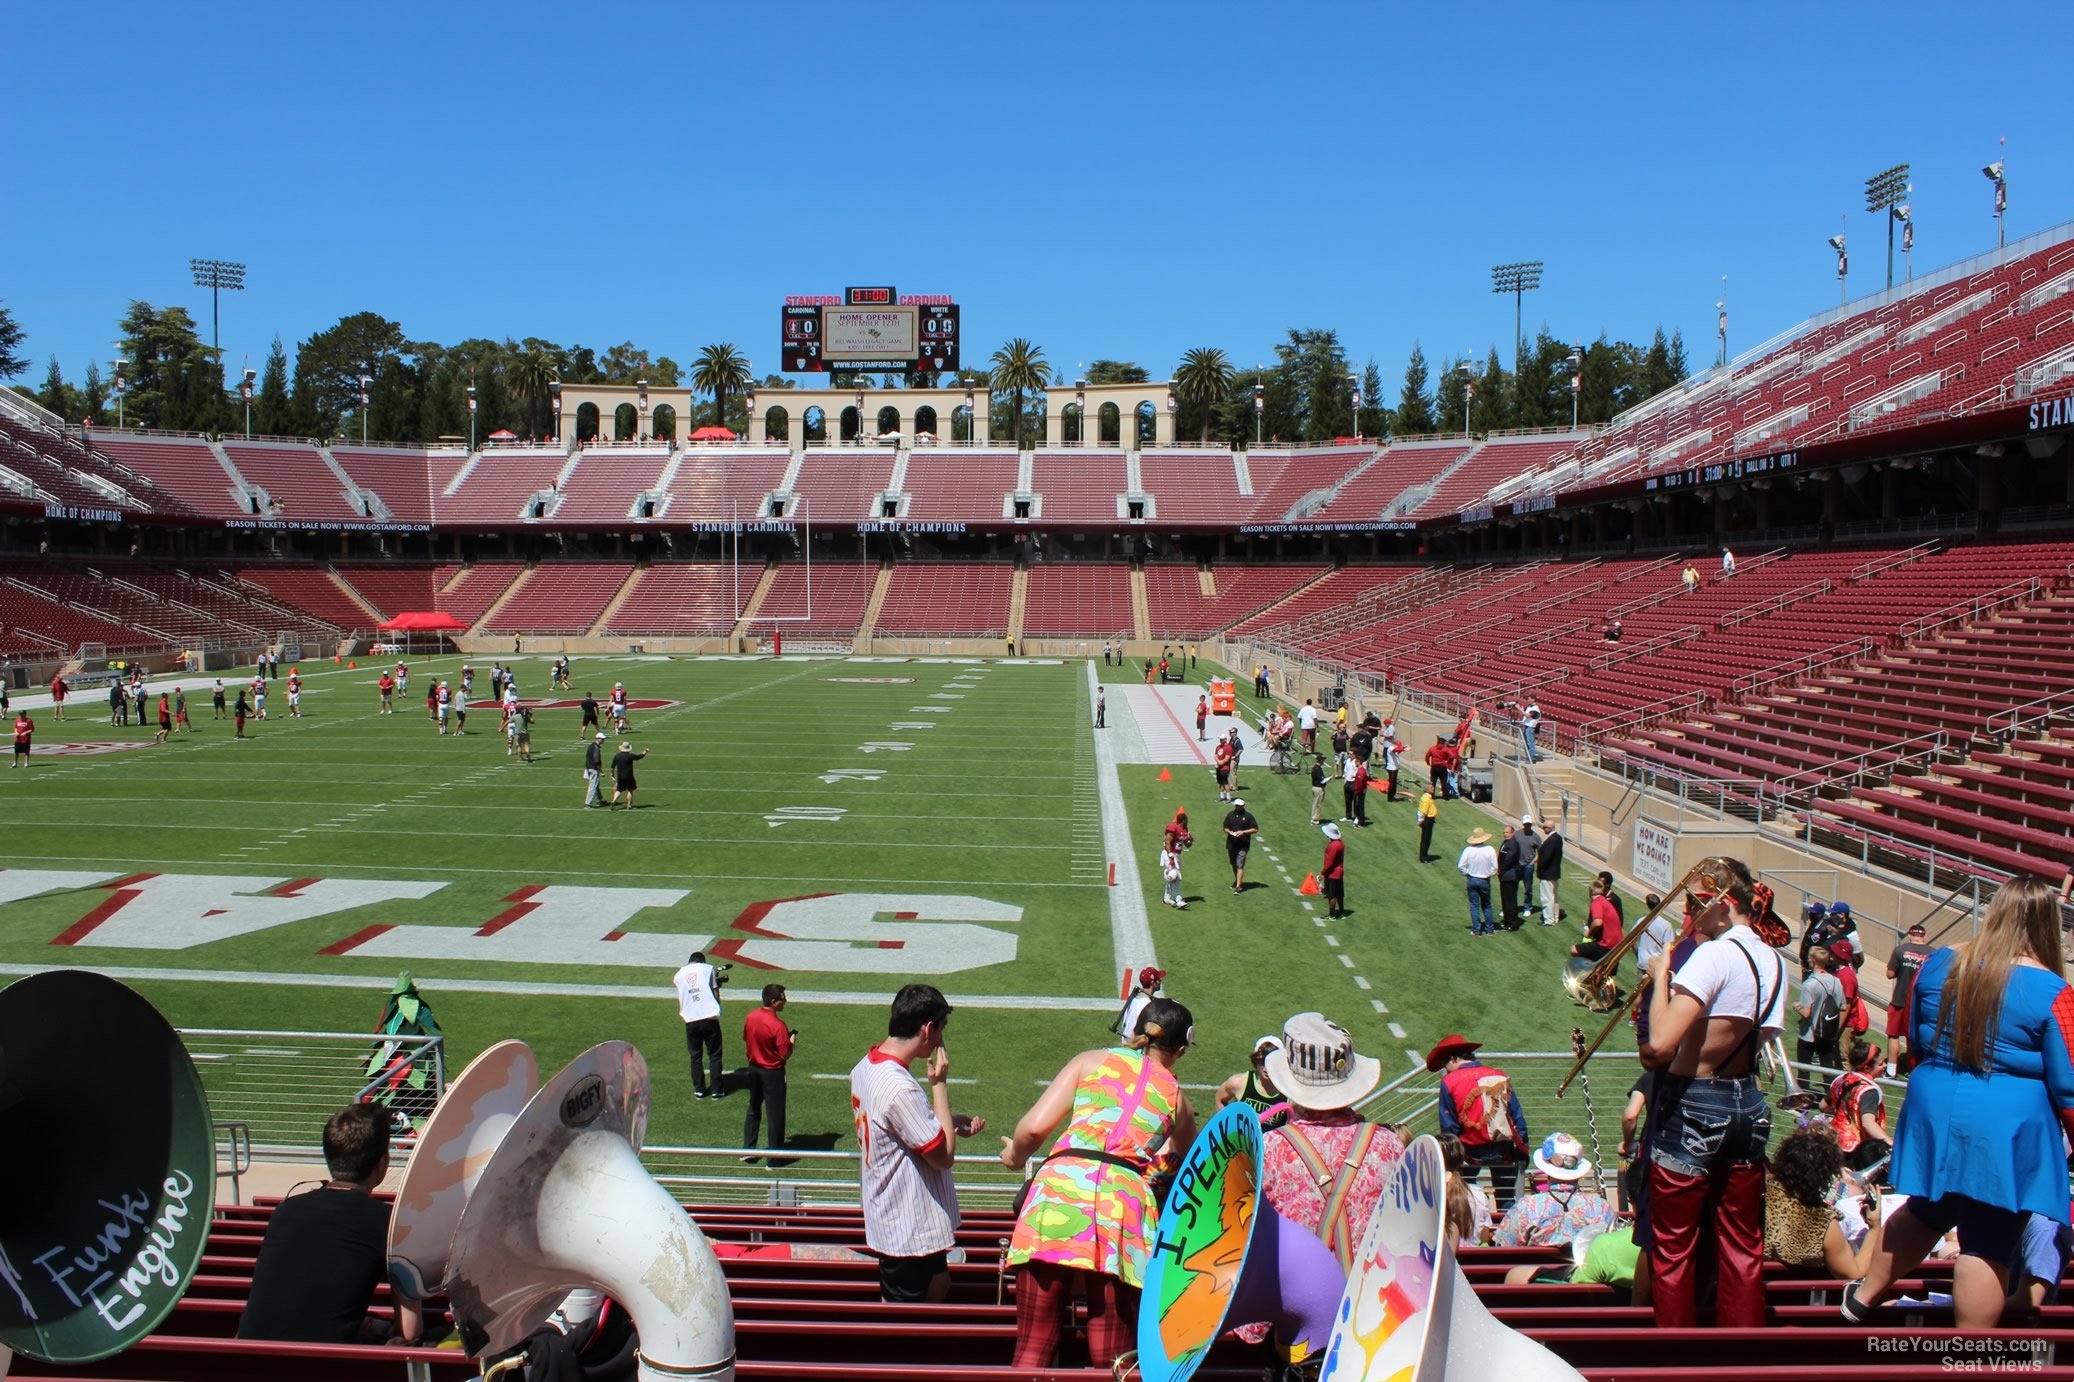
x=1165 y=776
x=1310 y=885
x=352 y=664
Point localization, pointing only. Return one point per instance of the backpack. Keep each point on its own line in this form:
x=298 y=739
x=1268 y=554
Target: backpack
x=1827 y=1019
x=1483 y=1104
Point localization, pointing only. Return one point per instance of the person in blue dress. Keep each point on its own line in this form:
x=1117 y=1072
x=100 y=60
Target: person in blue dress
x=1980 y=1143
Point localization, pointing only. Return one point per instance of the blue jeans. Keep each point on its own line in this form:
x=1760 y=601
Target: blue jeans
x=1480 y=907
x=1526 y=734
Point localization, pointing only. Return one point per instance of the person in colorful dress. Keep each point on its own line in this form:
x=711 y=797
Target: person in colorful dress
x=1981 y=1138
x=1326 y=1166
x=1087 y=1223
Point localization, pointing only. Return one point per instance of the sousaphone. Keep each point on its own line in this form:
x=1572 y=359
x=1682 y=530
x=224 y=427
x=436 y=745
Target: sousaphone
x=565 y=1204
x=110 y=1162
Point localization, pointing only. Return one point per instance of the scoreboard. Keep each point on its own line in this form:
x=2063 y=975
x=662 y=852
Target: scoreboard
x=875 y=328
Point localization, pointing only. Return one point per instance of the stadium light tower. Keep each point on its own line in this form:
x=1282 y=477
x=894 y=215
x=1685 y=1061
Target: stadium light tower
x=1843 y=266
x=1721 y=320
x=1995 y=174
x=1884 y=191
x=217 y=275
x=1905 y=214
x=1518 y=280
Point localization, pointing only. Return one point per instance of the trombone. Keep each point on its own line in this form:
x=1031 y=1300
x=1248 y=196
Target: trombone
x=1706 y=878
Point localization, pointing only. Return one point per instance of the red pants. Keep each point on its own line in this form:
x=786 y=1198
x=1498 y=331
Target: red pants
x=1682 y=1209
x=1043 y=1298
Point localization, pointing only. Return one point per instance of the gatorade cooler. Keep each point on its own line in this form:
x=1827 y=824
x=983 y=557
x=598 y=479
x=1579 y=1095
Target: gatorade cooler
x=1224 y=697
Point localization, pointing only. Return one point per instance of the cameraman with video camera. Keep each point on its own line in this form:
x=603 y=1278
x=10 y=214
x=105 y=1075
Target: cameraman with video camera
x=698 y=1003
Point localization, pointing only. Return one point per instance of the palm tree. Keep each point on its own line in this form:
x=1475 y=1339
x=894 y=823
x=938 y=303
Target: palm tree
x=530 y=371
x=1019 y=368
x=721 y=370
x=1204 y=380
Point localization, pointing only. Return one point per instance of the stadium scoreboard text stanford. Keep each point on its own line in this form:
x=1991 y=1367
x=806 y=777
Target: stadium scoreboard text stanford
x=873 y=328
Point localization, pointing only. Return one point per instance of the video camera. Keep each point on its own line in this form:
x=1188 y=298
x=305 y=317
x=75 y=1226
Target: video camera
x=722 y=975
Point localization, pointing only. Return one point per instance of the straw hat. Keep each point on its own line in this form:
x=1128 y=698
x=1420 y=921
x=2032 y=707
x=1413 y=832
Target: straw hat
x=1479 y=836
x=1317 y=1068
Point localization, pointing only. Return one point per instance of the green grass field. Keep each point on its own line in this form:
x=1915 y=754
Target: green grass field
x=758 y=788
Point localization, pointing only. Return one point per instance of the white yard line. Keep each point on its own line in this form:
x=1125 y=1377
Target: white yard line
x=1130 y=929
x=875 y=998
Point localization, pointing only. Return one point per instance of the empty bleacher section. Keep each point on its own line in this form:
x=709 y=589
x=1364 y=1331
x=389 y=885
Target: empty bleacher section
x=605 y=485
x=41 y=465
x=959 y=485
x=38 y=623
x=294 y=475
x=827 y=598
x=561 y=597
x=1078 y=486
x=499 y=485
x=1179 y=609
x=467 y=594
x=123 y=603
x=1348 y=590
x=399 y=478
x=843 y=485
x=391 y=590
x=1282 y=479
x=693 y=600
x=310 y=590
x=1192 y=486
x=1082 y=599
x=951 y=599
x=1979 y=334
x=1378 y=490
x=718 y=484
x=181 y=466
x=1496 y=459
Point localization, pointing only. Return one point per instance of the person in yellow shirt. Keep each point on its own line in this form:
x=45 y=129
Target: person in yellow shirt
x=1428 y=814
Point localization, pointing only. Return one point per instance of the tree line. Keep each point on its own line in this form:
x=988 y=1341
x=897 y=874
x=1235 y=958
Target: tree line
x=417 y=391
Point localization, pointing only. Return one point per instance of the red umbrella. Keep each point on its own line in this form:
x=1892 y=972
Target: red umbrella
x=713 y=434
x=503 y=434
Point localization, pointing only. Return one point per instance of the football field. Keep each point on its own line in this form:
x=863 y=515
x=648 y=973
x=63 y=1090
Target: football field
x=839 y=825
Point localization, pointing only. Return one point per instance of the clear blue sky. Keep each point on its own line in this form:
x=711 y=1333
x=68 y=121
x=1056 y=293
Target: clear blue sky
x=1119 y=180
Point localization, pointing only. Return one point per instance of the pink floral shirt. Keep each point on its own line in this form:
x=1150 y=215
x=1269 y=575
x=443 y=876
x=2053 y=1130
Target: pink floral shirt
x=1296 y=1194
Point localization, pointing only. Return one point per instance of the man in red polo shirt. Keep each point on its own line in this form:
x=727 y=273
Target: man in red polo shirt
x=769 y=1043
